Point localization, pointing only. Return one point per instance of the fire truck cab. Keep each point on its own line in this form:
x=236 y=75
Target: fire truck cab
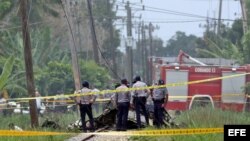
x=225 y=93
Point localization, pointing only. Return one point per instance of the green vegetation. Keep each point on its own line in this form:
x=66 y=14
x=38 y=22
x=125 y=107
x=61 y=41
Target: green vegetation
x=203 y=118
x=23 y=121
x=53 y=67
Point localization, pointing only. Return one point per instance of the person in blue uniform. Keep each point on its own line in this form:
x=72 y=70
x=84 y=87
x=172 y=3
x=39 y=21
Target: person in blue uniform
x=160 y=98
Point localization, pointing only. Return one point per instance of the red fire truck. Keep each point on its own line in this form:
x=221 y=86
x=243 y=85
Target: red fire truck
x=225 y=93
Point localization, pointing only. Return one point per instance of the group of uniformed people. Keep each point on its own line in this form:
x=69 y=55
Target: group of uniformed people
x=125 y=99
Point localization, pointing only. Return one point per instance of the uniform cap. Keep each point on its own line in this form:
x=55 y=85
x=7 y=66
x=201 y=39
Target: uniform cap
x=85 y=84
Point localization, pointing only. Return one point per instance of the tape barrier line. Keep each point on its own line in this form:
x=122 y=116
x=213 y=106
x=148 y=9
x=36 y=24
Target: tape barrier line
x=49 y=106
x=6 y=106
x=66 y=101
x=133 y=89
x=163 y=132
x=30 y=133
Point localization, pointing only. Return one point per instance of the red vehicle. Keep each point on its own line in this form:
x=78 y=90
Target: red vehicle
x=225 y=93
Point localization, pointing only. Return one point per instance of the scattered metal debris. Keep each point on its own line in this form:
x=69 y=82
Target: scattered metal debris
x=108 y=118
x=50 y=124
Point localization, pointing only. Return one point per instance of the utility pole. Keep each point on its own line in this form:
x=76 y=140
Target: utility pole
x=72 y=45
x=219 y=19
x=143 y=46
x=77 y=26
x=244 y=15
x=139 y=45
x=112 y=47
x=146 y=63
x=129 y=43
x=28 y=63
x=150 y=61
x=92 y=30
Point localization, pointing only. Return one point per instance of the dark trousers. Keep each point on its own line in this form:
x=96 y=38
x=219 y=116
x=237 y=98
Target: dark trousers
x=122 y=116
x=140 y=103
x=158 y=112
x=86 y=109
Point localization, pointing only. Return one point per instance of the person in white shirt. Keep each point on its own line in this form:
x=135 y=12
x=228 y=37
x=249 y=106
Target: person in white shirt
x=140 y=99
x=122 y=98
x=38 y=102
x=85 y=103
x=97 y=105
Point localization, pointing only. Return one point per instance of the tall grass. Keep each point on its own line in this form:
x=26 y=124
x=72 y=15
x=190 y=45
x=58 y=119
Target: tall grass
x=23 y=121
x=203 y=118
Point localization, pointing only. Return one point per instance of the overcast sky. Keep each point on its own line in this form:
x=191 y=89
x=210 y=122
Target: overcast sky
x=195 y=11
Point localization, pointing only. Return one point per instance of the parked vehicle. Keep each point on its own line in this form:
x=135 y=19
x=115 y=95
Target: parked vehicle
x=225 y=93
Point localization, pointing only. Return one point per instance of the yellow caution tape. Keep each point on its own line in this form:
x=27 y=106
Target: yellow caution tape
x=133 y=89
x=163 y=132
x=29 y=133
x=66 y=101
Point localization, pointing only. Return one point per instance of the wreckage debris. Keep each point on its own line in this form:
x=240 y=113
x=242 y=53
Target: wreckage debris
x=50 y=124
x=108 y=118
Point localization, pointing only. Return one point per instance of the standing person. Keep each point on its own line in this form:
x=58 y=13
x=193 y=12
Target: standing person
x=99 y=96
x=140 y=99
x=38 y=102
x=85 y=103
x=113 y=96
x=122 y=98
x=160 y=98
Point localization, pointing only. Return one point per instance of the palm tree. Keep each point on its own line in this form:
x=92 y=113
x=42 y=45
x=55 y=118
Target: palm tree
x=222 y=48
x=6 y=72
x=37 y=10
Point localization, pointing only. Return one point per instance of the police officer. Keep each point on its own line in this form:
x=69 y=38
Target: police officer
x=160 y=97
x=122 y=98
x=85 y=102
x=140 y=99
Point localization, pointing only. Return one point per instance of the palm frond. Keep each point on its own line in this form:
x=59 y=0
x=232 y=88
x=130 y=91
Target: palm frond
x=7 y=70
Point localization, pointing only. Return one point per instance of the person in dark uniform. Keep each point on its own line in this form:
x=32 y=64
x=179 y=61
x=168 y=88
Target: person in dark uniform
x=160 y=98
x=85 y=103
x=122 y=98
x=140 y=99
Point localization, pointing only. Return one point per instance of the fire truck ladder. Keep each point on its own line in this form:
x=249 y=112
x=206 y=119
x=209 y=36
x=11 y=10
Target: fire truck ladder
x=183 y=54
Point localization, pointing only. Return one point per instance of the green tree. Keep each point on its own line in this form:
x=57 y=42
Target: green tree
x=96 y=75
x=5 y=6
x=38 y=10
x=246 y=47
x=226 y=49
x=180 y=41
x=58 y=77
x=43 y=51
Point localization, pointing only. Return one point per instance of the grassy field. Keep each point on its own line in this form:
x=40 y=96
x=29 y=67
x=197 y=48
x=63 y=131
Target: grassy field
x=203 y=118
x=196 y=118
x=23 y=121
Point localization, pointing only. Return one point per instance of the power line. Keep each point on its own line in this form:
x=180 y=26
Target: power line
x=165 y=11
x=170 y=21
